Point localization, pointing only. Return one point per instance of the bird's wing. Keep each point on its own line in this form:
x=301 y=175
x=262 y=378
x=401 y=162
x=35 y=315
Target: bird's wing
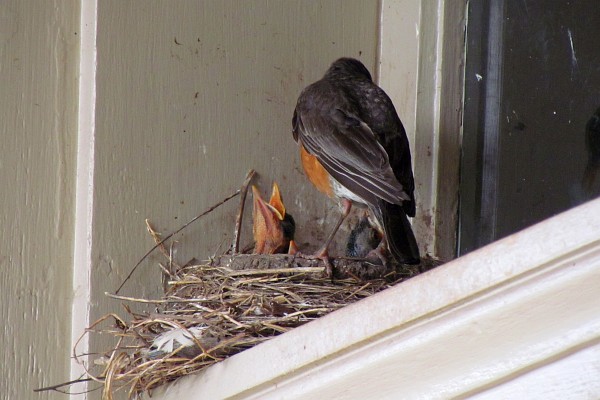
x=349 y=151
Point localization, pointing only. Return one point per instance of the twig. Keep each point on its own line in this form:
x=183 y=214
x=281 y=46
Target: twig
x=168 y=254
x=238 y=218
x=58 y=386
x=275 y=271
x=156 y=236
x=173 y=234
x=160 y=301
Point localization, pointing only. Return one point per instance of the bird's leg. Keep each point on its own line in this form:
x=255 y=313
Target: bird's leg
x=323 y=252
x=346 y=207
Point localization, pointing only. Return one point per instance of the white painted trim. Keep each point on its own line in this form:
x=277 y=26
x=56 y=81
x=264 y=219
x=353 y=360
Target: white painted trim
x=84 y=189
x=427 y=135
x=480 y=322
x=421 y=54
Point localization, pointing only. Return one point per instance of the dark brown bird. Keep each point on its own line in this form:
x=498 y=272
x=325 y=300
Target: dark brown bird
x=354 y=148
x=273 y=227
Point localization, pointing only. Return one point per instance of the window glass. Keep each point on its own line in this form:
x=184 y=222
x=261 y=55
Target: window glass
x=531 y=139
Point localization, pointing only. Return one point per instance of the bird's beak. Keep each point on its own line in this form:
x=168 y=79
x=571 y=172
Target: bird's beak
x=276 y=202
x=264 y=209
x=266 y=225
x=293 y=248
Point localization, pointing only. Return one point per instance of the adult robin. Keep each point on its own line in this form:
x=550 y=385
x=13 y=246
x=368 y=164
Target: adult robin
x=273 y=228
x=354 y=148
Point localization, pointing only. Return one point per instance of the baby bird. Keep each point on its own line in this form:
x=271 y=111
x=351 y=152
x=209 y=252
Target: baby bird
x=273 y=227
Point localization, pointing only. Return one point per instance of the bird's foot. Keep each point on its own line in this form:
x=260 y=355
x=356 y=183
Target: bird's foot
x=380 y=256
x=321 y=254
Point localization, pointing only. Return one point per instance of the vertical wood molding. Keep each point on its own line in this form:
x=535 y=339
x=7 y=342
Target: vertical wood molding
x=84 y=186
x=399 y=58
x=421 y=68
x=427 y=124
x=450 y=103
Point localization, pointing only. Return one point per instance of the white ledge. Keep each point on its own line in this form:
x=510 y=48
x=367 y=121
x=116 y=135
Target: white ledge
x=493 y=324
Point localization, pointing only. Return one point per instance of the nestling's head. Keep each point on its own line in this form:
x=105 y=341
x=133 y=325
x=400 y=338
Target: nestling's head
x=273 y=227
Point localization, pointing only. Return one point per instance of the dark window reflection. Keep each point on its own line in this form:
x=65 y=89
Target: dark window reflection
x=590 y=182
x=531 y=144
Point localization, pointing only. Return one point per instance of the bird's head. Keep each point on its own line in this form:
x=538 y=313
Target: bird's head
x=362 y=239
x=273 y=227
x=348 y=68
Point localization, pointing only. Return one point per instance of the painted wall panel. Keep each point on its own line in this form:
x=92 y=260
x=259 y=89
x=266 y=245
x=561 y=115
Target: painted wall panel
x=38 y=104
x=191 y=95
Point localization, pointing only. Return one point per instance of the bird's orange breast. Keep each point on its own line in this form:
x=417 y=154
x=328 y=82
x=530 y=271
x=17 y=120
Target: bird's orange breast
x=315 y=172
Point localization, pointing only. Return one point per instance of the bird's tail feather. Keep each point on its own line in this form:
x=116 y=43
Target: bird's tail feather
x=398 y=232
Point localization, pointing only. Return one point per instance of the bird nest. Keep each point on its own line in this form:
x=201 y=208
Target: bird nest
x=216 y=309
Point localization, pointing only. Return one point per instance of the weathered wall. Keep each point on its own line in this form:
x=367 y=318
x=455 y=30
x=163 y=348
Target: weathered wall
x=190 y=97
x=38 y=104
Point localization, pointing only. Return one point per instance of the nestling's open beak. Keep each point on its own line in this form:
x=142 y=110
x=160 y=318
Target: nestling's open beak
x=272 y=227
x=276 y=202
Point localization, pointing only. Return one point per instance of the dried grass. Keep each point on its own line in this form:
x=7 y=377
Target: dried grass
x=233 y=309
x=224 y=306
